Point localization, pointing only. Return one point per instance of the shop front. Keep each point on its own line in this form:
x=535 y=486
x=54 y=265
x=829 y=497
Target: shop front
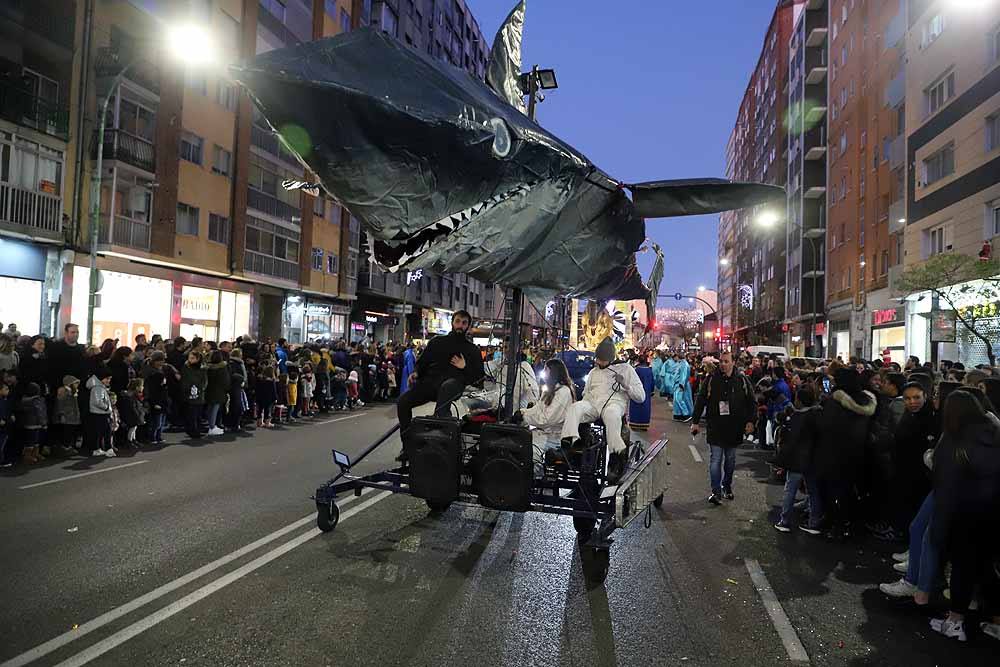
x=888 y=334
x=22 y=280
x=308 y=319
x=212 y=314
x=840 y=337
x=372 y=325
x=436 y=321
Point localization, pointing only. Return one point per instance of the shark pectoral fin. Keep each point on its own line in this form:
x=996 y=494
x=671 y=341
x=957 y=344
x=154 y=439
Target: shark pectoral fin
x=698 y=196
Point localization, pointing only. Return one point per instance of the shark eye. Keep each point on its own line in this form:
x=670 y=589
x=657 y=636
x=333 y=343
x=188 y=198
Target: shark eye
x=501 y=138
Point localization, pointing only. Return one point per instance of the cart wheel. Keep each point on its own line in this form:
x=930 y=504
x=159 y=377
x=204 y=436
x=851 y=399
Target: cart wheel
x=437 y=506
x=584 y=527
x=327 y=516
x=595 y=561
x=658 y=501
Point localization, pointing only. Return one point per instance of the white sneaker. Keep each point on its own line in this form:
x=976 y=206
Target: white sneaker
x=902 y=567
x=98 y=452
x=990 y=630
x=215 y=430
x=902 y=556
x=110 y=453
x=898 y=589
x=949 y=628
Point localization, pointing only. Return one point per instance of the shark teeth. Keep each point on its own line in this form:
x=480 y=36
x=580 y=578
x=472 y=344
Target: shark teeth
x=401 y=249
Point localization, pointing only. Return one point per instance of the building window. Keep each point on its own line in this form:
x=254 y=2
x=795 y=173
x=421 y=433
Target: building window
x=345 y=20
x=843 y=142
x=993 y=132
x=218 y=228
x=187 y=219
x=939 y=93
x=390 y=22
x=319 y=206
x=222 y=161
x=271 y=249
x=861 y=188
x=932 y=30
x=993 y=221
x=937 y=240
x=939 y=165
x=226 y=95
x=331 y=263
x=885 y=263
x=317 y=259
x=196 y=81
x=191 y=147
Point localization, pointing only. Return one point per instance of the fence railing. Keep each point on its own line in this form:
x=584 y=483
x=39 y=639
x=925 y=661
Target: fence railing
x=270 y=266
x=35 y=210
x=25 y=108
x=133 y=150
x=271 y=205
x=126 y=232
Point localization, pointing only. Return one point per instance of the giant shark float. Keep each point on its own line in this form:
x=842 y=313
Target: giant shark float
x=446 y=172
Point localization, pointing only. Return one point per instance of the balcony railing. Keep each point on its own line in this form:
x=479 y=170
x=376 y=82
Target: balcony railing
x=897 y=216
x=271 y=205
x=895 y=92
x=140 y=71
x=897 y=152
x=25 y=108
x=130 y=149
x=36 y=211
x=126 y=232
x=43 y=19
x=268 y=142
x=274 y=24
x=270 y=266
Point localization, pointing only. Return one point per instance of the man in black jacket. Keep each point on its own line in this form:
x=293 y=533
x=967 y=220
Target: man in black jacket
x=448 y=364
x=727 y=399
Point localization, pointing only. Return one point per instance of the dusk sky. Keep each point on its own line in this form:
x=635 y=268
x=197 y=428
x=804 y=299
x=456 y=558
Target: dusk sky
x=648 y=89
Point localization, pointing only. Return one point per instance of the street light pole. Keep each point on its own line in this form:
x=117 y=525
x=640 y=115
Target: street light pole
x=95 y=201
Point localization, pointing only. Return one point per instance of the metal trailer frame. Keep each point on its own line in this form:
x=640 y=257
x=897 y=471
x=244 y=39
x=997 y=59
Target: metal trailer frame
x=580 y=490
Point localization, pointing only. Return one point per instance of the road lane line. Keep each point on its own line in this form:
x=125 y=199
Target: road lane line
x=127 y=633
x=796 y=652
x=330 y=421
x=696 y=454
x=82 y=474
x=108 y=617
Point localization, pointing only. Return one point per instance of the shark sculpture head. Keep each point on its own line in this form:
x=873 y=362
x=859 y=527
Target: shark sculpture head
x=447 y=173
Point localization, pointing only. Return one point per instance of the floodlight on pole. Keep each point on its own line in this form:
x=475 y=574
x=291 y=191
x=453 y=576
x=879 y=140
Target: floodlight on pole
x=724 y=261
x=547 y=79
x=768 y=219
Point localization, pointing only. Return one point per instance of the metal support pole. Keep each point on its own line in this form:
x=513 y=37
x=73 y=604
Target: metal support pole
x=95 y=202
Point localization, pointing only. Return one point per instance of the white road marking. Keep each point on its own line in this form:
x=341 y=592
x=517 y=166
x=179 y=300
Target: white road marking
x=82 y=474
x=330 y=421
x=123 y=635
x=796 y=652
x=696 y=454
x=127 y=608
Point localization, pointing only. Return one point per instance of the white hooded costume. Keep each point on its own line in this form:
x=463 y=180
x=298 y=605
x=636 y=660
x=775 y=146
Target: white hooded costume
x=525 y=389
x=606 y=396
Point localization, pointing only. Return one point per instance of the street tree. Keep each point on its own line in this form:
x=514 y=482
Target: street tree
x=959 y=281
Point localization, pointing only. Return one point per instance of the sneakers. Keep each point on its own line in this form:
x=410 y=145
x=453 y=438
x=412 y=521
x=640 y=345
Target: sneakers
x=782 y=527
x=714 y=499
x=97 y=452
x=728 y=494
x=990 y=630
x=898 y=589
x=949 y=628
x=215 y=430
x=110 y=453
x=901 y=556
x=902 y=567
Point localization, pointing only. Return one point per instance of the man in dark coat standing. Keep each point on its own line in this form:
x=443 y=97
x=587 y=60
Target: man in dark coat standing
x=727 y=400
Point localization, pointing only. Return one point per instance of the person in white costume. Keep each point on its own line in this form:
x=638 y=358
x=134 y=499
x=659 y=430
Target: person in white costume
x=526 y=389
x=610 y=386
x=549 y=412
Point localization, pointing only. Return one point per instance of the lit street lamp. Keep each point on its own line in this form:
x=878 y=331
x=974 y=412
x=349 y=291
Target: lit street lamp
x=189 y=44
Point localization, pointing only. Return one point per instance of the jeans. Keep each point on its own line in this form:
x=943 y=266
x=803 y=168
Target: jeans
x=425 y=392
x=721 y=476
x=156 y=420
x=925 y=560
x=792 y=482
x=212 y=410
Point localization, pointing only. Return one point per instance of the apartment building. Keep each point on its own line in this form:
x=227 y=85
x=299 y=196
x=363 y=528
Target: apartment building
x=752 y=280
x=36 y=71
x=804 y=329
x=866 y=176
x=953 y=148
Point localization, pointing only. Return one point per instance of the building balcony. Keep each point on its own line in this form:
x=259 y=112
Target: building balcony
x=275 y=26
x=895 y=273
x=125 y=232
x=141 y=72
x=815 y=191
x=816 y=153
x=897 y=152
x=895 y=91
x=271 y=205
x=268 y=142
x=816 y=36
x=815 y=4
x=896 y=31
x=270 y=266
x=816 y=75
x=29 y=110
x=897 y=216
x=128 y=148
x=35 y=214
x=814 y=114
x=52 y=20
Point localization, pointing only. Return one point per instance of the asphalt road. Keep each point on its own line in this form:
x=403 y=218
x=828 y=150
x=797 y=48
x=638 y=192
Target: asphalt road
x=208 y=555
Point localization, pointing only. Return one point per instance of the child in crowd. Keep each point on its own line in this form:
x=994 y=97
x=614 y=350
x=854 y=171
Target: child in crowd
x=32 y=419
x=133 y=412
x=352 y=390
x=338 y=388
x=6 y=421
x=117 y=432
x=281 y=399
x=66 y=415
x=266 y=394
x=96 y=439
x=308 y=387
x=293 y=392
x=795 y=455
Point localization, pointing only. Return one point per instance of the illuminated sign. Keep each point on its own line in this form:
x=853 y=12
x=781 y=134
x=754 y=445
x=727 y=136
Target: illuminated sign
x=887 y=316
x=414 y=276
x=371 y=319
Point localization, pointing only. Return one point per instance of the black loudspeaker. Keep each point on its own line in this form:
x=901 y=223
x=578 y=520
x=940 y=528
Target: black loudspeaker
x=434 y=449
x=504 y=470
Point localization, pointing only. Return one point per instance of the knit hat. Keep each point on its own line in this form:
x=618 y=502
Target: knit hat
x=605 y=351
x=69 y=380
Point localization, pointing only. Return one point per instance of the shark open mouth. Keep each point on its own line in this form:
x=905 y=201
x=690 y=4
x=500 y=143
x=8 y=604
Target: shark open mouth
x=394 y=254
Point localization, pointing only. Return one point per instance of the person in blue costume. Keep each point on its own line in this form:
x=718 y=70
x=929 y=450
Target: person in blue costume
x=656 y=367
x=409 y=363
x=667 y=377
x=683 y=401
x=639 y=414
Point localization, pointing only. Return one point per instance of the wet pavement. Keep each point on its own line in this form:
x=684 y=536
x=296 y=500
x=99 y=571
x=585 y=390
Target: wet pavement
x=179 y=560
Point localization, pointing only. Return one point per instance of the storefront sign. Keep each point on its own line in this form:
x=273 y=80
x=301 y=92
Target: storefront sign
x=888 y=316
x=820 y=328
x=371 y=319
x=357 y=326
x=198 y=303
x=943 y=326
x=318 y=310
x=414 y=276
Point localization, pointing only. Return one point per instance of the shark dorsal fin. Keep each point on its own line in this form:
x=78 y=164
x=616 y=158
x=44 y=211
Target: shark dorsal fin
x=503 y=73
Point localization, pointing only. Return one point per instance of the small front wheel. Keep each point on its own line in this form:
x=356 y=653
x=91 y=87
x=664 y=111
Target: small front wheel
x=658 y=501
x=327 y=516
